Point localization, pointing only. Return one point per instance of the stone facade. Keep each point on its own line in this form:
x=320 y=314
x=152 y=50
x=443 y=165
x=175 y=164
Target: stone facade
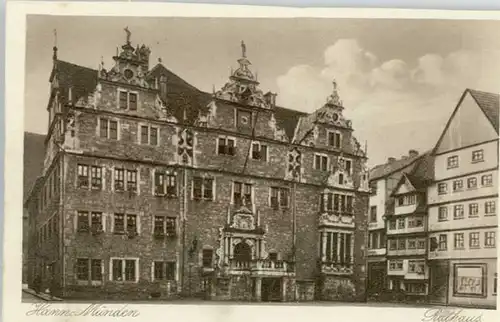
x=154 y=189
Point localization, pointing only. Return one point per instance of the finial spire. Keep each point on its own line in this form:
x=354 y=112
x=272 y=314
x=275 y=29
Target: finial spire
x=128 y=35
x=243 y=49
x=54 y=55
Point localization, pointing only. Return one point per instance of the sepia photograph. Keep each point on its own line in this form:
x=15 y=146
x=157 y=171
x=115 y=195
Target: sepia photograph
x=303 y=161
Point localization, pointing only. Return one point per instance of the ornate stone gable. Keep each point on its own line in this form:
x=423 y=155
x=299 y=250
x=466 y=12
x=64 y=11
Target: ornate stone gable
x=331 y=112
x=364 y=185
x=242 y=86
x=131 y=65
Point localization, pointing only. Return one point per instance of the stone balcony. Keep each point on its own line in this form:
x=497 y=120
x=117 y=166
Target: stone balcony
x=258 y=267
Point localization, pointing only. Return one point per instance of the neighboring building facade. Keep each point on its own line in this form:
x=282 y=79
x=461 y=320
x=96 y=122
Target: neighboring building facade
x=152 y=188
x=462 y=205
x=407 y=233
x=383 y=180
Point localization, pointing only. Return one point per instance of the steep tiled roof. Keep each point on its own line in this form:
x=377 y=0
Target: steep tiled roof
x=382 y=170
x=34 y=154
x=488 y=102
x=287 y=119
x=82 y=80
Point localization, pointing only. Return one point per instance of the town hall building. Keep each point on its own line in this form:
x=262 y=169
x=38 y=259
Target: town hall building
x=152 y=188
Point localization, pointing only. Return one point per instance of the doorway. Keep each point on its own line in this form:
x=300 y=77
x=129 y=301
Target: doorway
x=243 y=253
x=439 y=275
x=376 y=278
x=271 y=289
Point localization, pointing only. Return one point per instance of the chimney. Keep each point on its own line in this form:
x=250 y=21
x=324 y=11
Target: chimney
x=412 y=153
x=391 y=160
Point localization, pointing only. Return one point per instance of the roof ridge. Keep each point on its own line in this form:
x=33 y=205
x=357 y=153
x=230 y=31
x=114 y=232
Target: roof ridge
x=76 y=65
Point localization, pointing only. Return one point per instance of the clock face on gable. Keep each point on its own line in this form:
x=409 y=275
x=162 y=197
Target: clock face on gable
x=128 y=73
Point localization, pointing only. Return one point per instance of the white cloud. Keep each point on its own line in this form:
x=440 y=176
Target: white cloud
x=392 y=101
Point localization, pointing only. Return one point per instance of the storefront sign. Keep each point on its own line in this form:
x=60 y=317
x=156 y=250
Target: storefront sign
x=469 y=279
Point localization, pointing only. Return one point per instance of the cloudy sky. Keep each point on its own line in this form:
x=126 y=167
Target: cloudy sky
x=399 y=79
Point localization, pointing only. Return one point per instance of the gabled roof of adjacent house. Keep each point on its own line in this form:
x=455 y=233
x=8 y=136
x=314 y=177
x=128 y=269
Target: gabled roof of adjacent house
x=383 y=170
x=488 y=102
x=420 y=175
x=82 y=80
x=33 y=158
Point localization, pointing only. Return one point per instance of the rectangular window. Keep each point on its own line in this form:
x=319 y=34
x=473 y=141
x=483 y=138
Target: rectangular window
x=459 y=241
x=373 y=214
x=473 y=210
x=259 y=151
x=119 y=180
x=458 y=212
x=393 y=245
x=164 y=270
x=96 y=270
x=103 y=130
x=83 y=176
x=489 y=239
x=416 y=266
x=392 y=224
x=131 y=224
x=401 y=223
x=279 y=197
x=132 y=180
x=487 y=180
x=401 y=244
x=82 y=269
x=443 y=242
x=472 y=183
x=83 y=221
x=159 y=225
x=108 y=128
x=474 y=240
x=119 y=223
x=159 y=183
x=144 y=134
x=170 y=226
x=96 y=221
x=489 y=207
x=458 y=185
x=96 y=177
x=334 y=139
x=443 y=213
x=132 y=97
x=226 y=146
x=123 y=100
x=207 y=258
x=127 y=100
x=442 y=188
x=171 y=185
x=412 y=243
x=159 y=270
x=421 y=243
x=117 y=270
x=149 y=135
x=242 y=193
x=320 y=162
x=452 y=162
x=130 y=273
x=477 y=156
x=203 y=188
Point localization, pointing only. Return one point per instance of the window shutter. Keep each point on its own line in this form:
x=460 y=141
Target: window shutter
x=110 y=269
x=153 y=177
x=152 y=271
x=104 y=221
x=104 y=173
